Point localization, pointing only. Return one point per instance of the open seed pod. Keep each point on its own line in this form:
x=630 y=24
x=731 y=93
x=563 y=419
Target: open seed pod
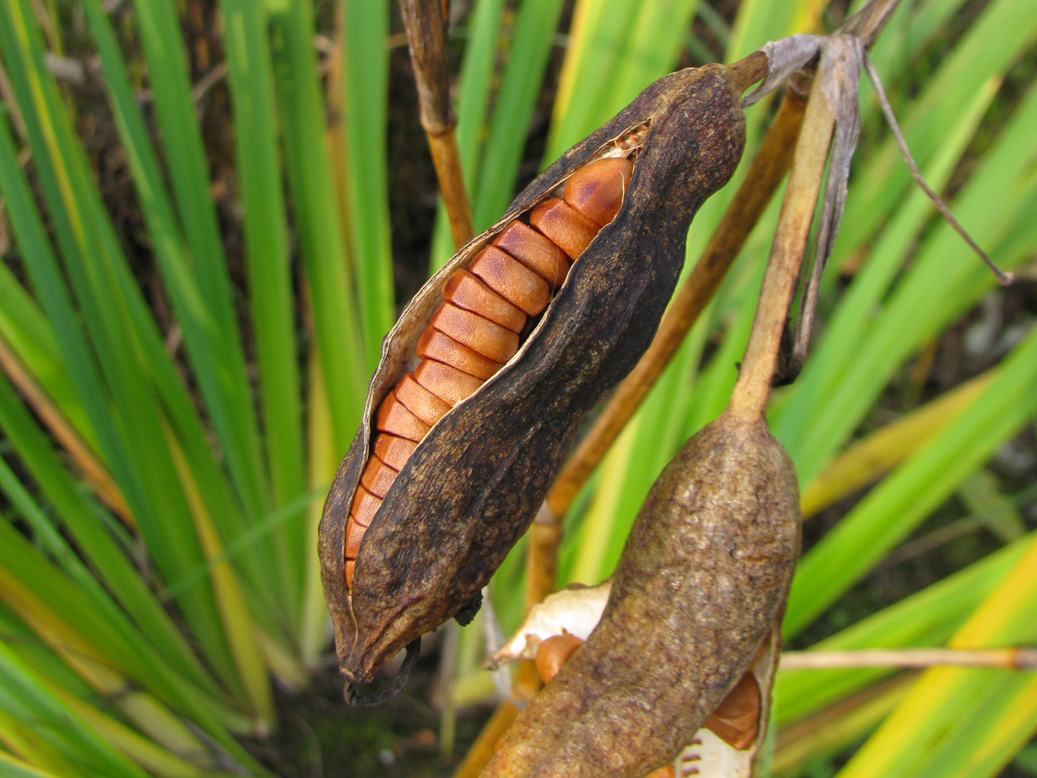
x=699 y=589
x=475 y=476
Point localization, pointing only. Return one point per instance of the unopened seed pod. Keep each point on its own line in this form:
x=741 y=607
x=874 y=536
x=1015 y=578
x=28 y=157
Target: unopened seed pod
x=701 y=584
x=420 y=553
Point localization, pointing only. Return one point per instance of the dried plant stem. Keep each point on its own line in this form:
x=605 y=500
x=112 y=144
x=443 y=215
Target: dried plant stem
x=92 y=469
x=765 y=174
x=749 y=398
x=748 y=70
x=484 y=746
x=447 y=158
x=1006 y=658
x=426 y=23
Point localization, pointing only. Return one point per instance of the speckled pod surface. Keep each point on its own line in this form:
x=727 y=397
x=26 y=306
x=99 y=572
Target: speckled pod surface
x=702 y=580
x=475 y=481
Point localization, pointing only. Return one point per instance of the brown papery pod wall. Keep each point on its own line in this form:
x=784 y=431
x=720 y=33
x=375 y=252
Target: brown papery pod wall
x=475 y=481
x=702 y=581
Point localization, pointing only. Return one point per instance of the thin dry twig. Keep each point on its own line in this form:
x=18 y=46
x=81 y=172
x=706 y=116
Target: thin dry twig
x=749 y=398
x=1002 y=277
x=1012 y=658
x=426 y=23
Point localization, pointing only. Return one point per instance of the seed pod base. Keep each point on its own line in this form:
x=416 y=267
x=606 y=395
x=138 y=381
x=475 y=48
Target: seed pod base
x=475 y=481
x=703 y=579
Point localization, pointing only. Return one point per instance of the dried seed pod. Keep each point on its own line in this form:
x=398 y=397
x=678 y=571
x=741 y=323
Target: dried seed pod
x=476 y=478
x=701 y=583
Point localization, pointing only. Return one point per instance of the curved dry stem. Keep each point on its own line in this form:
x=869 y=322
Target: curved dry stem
x=426 y=23
x=484 y=746
x=749 y=398
x=447 y=158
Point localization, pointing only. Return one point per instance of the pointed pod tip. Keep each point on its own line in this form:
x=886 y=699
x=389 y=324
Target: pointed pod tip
x=352 y=695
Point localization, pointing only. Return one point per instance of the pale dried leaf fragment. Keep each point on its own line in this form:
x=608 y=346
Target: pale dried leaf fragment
x=575 y=610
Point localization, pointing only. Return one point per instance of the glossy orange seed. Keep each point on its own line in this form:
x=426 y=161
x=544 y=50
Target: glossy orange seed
x=564 y=225
x=472 y=330
x=393 y=450
x=511 y=280
x=535 y=252
x=468 y=291
x=364 y=506
x=554 y=652
x=350 y=568
x=433 y=344
x=736 y=718
x=596 y=190
x=354 y=534
x=377 y=477
x=420 y=401
x=393 y=417
x=446 y=382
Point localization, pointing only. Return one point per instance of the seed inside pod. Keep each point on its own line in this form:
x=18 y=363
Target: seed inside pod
x=434 y=344
x=364 y=506
x=354 y=534
x=393 y=450
x=554 y=652
x=393 y=417
x=446 y=382
x=377 y=477
x=467 y=291
x=511 y=279
x=736 y=718
x=472 y=330
x=596 y=190
x=420 y=401
x=535 y=252
x=564 y=225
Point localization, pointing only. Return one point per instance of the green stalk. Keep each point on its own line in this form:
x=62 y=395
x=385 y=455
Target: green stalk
x=271 y=301
x=366 y=85
x=321 y=241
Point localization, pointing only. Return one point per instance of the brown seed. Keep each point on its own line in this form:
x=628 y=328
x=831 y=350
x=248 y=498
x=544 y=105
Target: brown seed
x=736 y=718
x=420 y=401
x=472 y=330
x=564 y=225
x=597 y=189
x=465 y=290
x=554 y=652
x=354 y=534
x=364 y=506
x=511 y=280
x=393 y=417
x=446 y=382
x=393 y=450
x=377 y=477
x=433 y=344
x=535 y=252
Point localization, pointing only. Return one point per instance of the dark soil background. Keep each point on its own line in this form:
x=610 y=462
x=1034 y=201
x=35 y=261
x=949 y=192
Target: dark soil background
x=319 y=735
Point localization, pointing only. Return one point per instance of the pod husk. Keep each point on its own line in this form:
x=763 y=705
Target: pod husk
x=701 y=583
x=474 y=483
